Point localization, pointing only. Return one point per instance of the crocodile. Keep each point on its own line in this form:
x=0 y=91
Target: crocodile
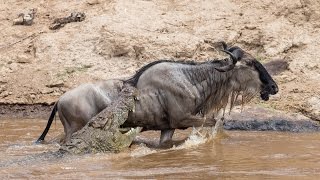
x=103 y=133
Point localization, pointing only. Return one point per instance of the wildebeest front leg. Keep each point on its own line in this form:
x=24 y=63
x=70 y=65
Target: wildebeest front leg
x=166 y=137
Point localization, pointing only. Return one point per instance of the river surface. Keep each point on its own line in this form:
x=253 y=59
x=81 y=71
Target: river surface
x=241 y=155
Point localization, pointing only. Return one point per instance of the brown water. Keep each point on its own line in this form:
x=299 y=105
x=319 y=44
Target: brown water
x=242 y=155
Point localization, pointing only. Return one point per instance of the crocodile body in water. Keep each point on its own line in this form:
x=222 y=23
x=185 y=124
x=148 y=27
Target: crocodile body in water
x=102 y=133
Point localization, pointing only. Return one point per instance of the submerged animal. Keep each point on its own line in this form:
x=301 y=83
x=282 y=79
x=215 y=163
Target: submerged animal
x=173 y=94
x=77 y=106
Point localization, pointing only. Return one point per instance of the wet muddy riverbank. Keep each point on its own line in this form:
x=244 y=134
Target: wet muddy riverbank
x=26 y=111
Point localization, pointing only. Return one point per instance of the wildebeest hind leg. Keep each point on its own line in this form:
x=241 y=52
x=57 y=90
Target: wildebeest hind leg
x=66 y=126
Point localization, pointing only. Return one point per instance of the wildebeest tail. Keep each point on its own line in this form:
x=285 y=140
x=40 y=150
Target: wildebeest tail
x=53 y=112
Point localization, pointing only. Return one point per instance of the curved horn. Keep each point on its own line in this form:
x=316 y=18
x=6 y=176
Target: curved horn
x=229 y=66
x=235 y=54
x=224 y=45
x=233 y=57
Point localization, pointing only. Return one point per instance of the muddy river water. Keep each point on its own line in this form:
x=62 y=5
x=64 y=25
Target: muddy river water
x=241 y=155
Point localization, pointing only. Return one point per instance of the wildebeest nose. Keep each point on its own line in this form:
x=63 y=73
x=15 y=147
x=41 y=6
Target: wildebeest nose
x=275 y=88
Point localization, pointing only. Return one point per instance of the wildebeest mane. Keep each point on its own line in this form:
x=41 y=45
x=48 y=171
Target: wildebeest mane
x=135 y=78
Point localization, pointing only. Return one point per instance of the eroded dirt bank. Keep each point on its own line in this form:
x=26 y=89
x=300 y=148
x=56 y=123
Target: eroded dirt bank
x=37 y=64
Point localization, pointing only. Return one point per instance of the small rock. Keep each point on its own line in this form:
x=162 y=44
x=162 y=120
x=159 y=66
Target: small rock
x=46 y=91
x=312 y=110
x=2 y=81
x=56 y=94
x=55 y=84
x=25 y=18
x=28 y=19
x=18 y=20
x=314 y=102
x=287 y=78
x=93 y=2
x=2 y=89
x=22 y=58
x=250 y=27
x=120 y=51
x=5 y=94
x=138 y=50
x=61 y=22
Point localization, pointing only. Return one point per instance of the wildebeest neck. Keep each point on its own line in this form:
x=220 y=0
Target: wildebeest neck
x=213 y=87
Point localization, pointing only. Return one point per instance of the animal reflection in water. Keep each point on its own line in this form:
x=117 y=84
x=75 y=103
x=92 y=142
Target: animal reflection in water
x=172 y=94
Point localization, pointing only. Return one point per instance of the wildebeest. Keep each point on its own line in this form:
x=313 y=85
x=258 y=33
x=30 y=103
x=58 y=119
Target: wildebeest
x=77 y=106
x=172 y=94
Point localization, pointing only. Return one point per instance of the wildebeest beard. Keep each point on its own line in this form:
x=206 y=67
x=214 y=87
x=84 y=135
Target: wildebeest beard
x=239 y=85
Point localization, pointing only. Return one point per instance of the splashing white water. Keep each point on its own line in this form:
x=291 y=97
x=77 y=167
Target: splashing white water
x=142 y=150
x=204 y=135
x=197 y=137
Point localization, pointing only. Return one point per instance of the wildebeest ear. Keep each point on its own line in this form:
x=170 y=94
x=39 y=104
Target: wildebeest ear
x=238 y=54
x=236 y=51
x=233 y=48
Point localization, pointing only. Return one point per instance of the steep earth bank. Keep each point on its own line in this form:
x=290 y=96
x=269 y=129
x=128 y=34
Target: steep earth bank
x=37 y=64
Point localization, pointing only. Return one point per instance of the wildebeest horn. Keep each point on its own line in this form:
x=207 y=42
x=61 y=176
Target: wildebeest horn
x=224 y=45
x=233 y=57
x=230 y=65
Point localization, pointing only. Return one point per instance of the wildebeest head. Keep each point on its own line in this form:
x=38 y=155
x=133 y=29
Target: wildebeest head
x=246 y=67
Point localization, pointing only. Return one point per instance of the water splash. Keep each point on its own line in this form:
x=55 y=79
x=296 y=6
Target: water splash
x=203 y=135
x=198 y=136
x=142 y=150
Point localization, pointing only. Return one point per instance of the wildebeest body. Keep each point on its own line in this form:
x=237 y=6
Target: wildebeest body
x=172 y=94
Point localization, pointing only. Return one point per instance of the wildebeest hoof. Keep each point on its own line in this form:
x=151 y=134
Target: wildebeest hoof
x=38 y=141
x=166 y=145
